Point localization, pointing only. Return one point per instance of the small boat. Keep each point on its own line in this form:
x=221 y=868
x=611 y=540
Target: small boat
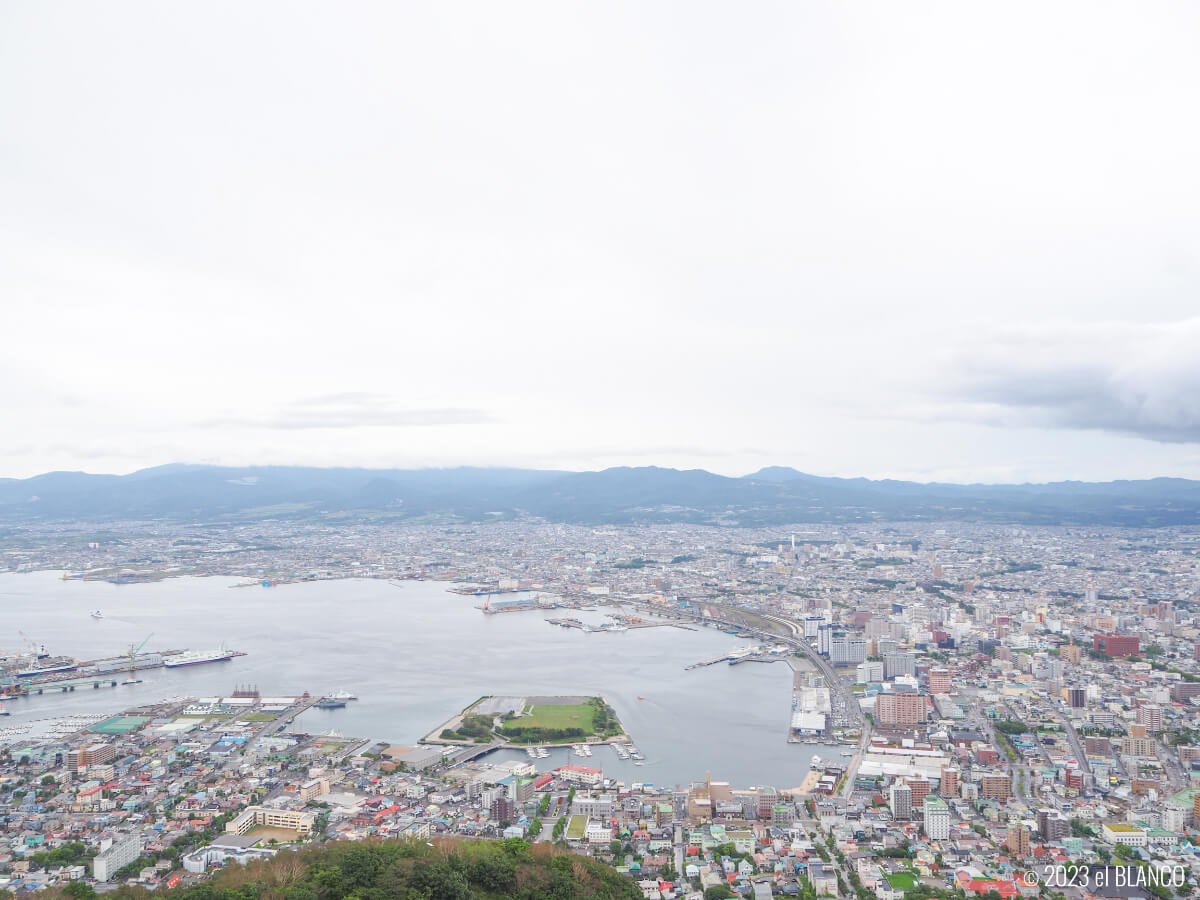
x=97 y=615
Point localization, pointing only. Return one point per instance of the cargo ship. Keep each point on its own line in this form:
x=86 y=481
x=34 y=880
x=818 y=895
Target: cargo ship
x=196 y=658
x=47 y=670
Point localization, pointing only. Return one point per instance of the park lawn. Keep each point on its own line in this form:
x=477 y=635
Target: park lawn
x=553 y=716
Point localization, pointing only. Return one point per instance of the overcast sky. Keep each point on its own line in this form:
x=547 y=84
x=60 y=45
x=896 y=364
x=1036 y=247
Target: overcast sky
x=953 y=241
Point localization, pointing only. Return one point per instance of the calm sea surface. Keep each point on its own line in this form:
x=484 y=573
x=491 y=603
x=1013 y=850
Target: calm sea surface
x=415 y=654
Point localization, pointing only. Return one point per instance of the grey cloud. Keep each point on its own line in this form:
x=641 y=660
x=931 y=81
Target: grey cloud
x=1140 y=380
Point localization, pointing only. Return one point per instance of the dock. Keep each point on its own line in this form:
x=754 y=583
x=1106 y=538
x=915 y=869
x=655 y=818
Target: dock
x=86 y=675
x=707 y=662
x=757 y=657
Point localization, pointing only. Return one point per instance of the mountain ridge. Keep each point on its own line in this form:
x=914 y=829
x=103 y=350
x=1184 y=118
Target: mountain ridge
x=617 y=495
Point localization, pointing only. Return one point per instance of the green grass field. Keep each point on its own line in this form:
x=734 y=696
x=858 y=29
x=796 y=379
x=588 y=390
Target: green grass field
x=577 y=716
x=576 y=828
x=902 y=881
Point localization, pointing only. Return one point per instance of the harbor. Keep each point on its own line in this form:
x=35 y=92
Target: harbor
x=391 y=633
x=37 y=673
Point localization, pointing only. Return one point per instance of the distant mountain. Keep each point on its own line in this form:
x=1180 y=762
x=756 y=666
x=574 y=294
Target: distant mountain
x=772 y=496
x=775 y=473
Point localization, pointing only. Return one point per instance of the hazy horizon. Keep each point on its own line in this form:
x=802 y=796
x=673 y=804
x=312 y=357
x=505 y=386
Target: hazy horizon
x=567 y=471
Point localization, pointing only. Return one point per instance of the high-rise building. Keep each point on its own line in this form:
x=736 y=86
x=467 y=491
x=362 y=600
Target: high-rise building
x=1018 y=839
x=1183 y=691
x=1096 y=746
x=824 y=638
x=90 y=755
x=939 y=680
x=900 y=800
x=949 y=783
x=1137 y=743
x=920 y=787
x=115 y=854
x=1116 y=644
x=995 y=787
x=767 y=798
x=503 y=810
x=1151 y=716
x=845 y=650
x=1076 y=698
x=937 y=819
x=896 y=664
x=872 y=671
x=1052 y=826
x=900 y=708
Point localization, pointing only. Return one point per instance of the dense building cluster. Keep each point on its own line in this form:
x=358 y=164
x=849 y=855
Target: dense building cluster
x=1011 y=699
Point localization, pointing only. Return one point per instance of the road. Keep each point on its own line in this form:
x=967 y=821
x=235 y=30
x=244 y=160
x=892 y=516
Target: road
x=797 y=641
x=1073 y=740
x=1171 y=767
x=864 y=741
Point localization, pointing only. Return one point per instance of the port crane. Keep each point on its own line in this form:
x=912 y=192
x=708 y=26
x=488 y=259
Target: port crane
x=133 y=652
x=34 y=651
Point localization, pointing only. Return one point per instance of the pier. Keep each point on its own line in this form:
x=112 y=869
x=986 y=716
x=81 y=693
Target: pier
x=64 y=687
x=706 y=662
x=757 y=657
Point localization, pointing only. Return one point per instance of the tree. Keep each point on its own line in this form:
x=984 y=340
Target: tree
x=79 y=890
x=717 y=892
